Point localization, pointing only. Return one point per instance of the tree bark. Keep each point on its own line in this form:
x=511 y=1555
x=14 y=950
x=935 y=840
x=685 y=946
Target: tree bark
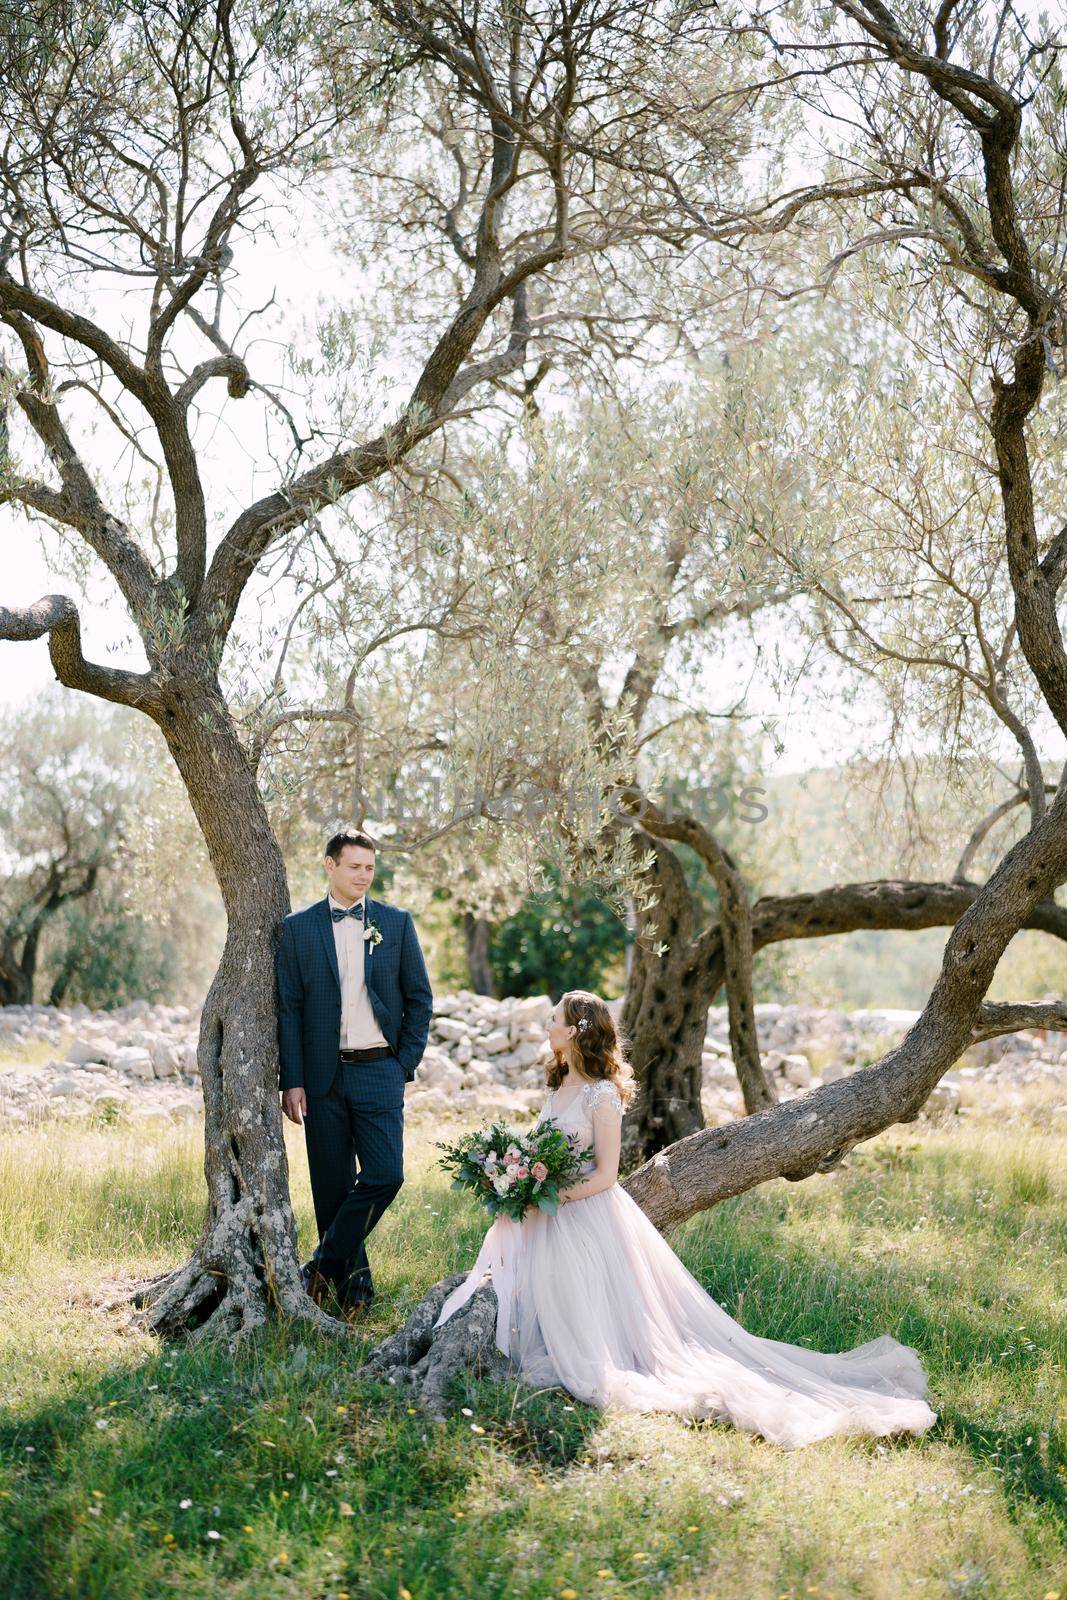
x=16 y=985
x=672 y=993
x=478 y=933
x=425 y=1360
x=812 y=1132
x=245 y=1261
x=664 y=1018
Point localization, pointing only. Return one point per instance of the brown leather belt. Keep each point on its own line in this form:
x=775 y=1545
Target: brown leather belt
x=376 y=1052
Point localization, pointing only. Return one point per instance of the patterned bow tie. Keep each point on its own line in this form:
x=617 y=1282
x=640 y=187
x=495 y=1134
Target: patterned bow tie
x=353 y=911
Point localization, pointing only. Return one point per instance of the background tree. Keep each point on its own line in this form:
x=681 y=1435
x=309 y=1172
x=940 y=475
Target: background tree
x=960 y=118
x=147 y=148
x=558 y=940
x=87 y=800
x=64 y=799
x=677 y=545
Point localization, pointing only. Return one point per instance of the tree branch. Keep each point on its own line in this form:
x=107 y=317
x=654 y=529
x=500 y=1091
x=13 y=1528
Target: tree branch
x=78 y=505
x=57 y=616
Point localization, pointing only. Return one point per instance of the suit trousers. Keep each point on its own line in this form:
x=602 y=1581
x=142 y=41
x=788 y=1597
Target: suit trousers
x=355 y=1147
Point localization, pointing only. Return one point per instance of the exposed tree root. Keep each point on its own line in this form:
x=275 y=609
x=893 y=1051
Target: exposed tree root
x=222 y=1291
x=425 y=1359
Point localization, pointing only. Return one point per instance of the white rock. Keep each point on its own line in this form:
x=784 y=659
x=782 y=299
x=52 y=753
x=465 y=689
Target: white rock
x=527 y=1051
x=493 y=1097
x=532 y=1008
x=446 y=1077
x=529 y=1017
x=944 y=1099
x=495 y=1043
x=434 y=1062
x=85 y=1049
x=818 y=1049
x=450 y=1028
x=63 y=1086
x=166 y=1057
x=135 y=1061
x=797 y=1070
x=430 y=1101
x=717 y=1069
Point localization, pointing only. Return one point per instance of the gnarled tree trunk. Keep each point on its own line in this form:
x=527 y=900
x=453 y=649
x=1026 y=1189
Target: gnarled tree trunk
x=245 y=1261
x=673 y=992
x=665 y=1012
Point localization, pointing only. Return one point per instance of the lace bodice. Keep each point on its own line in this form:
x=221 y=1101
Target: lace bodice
x=575 y=1115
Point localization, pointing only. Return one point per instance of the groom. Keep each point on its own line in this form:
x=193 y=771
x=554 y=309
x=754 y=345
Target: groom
x=354 y=1006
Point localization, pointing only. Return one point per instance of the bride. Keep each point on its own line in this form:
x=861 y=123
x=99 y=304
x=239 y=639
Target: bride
x=595 y=1301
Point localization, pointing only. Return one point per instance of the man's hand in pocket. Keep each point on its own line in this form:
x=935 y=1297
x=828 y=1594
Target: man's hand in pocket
x=295 y=1104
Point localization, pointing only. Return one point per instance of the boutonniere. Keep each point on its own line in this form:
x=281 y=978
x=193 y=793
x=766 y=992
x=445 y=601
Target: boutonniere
x=372 y=934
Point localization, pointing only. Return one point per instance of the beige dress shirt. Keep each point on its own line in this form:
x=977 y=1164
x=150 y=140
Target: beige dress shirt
x=359 y=1026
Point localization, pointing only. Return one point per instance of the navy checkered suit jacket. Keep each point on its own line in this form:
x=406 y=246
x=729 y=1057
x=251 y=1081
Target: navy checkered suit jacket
x=309 y=993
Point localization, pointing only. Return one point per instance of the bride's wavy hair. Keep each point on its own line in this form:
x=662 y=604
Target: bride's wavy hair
x=599 y=1042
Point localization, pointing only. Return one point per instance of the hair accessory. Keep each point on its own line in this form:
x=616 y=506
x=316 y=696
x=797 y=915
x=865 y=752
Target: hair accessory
x=583 y=1022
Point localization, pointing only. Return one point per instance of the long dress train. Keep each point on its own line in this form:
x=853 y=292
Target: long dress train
x=594 y=1300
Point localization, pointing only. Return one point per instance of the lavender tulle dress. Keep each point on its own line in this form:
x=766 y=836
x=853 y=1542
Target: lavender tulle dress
x=595 y=1301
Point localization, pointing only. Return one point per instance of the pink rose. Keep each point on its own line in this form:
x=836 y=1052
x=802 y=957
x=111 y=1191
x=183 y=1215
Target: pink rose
x=522 y=1172
x=540 y=1171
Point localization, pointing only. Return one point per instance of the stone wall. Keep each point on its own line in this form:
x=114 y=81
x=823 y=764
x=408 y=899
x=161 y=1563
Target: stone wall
x=484 y=1057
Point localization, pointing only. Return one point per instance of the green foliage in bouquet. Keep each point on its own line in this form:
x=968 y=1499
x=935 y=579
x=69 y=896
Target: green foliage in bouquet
x=510 y=1172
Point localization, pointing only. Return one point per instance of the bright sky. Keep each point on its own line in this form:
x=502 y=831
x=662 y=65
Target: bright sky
x=296 y=267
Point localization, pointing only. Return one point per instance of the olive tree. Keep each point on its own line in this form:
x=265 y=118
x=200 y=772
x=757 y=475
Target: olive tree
x=485 y=161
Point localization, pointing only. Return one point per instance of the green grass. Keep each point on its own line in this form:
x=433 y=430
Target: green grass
x=34 y=1053
x=950 y=1237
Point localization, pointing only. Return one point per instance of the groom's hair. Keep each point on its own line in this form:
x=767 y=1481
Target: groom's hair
x=335 y=845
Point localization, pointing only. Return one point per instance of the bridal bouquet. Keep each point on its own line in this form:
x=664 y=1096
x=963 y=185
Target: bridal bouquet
x=509 y=1171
